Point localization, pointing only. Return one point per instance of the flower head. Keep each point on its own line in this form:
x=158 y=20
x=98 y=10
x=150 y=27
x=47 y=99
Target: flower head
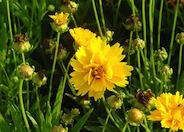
x=81 y=36
x=60 y=23
x=169 y=110
x=98 y=67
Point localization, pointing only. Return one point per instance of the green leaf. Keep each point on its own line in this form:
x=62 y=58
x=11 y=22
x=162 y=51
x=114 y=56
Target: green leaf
x=48 y=116
x=56 y=113
x=16 y=116
x=77 y=127
x=118 y=119
x=35 y=124
x=3 y=125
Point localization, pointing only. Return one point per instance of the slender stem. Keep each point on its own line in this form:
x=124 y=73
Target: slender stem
x=159 y=23
x=23 y=58
x=73 y=19
x=179 y=66
x=146 y=124
x=129 y=46
x=134 y=15
x=117 y=12
x=125 y=126
x=37 y=99
x=151 y=16
x=53 y=66
x=110 y=115
x=97 y=20
x=10 y=31
x=139 y=67
x=144 y=26
x=22 y=105
x=5 y=73
x=106 y=121
x=173 y=32
x=102 y=16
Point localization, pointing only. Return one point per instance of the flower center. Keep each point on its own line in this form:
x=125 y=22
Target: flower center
x=98 y=72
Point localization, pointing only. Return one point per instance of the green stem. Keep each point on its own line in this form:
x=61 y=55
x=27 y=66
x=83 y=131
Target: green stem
x=73 y=19
x=146 y=124
x=110 y=115
x=106 y=121
x=53 y=66
x=23 y=58
x=97 y=20
x=5 y=73
x=173 y=33
x=117 y=12
x=129 y=46
x=37 y=99
x=151 y=20
x=139 y=67
x=102 y=16
x=144 y=26
x=10 y=31
x=134 y=15
x=179 y=66
x=125 y=126
x=159 y=23
x=22 y=105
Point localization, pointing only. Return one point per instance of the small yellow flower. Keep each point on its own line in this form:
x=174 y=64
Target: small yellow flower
x=81 y=36
x=98 y=67
x=169 y=110
x=60 y=18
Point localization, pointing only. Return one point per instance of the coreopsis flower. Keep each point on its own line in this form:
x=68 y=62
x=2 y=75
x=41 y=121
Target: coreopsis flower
x=81 y=36
x=98 y=67
x=60 y=23
x=169 y=110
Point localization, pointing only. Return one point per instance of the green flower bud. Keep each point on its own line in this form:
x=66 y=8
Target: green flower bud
x=25 y=71
x=135 y=116
x=166 y=70
x=109 y=35
x=129 y=23
x=75 y=112
x=51 y=8
x=58 y=129
x=161 y=54
x=62 y=53
x=66 y=119
x=180 y=38
x=70 y=7
x=39 y=79
x=138 y=44
x=114 y=102
x=85 y=103
x=21 y=44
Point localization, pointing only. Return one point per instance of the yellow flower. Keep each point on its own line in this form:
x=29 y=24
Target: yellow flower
x=98 y=67
x=81 y=36
x=169 y=110
x=60 y=18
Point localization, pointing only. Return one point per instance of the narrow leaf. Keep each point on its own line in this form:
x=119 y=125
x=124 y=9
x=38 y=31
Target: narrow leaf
x=3 y=125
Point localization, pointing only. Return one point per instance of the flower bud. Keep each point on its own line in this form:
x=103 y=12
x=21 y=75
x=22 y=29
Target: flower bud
x=126 y=45
x=25 y=71
x=66 y=119
x=114 y=102
x=70 y=7
x=21 y=44
x=85 y=103
x=131 y=26
x=58 y=129
x=138 y=44
x=62 y=53
x=161 y=54
x=109 y=35
x=39 y=78
x=75 y=112
x=180 y=38
x=166 y=70
x=135 y=116
x=51 y=8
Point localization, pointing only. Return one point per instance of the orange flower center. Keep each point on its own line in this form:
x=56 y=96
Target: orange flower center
x=98 y=72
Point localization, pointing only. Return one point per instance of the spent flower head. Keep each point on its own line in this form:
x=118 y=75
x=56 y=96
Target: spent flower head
x=59 y=128
x=39 y=79
x=169 y=111
x=21 y=43
x=133 y=23
x=161 y=54
x=98 y=67
x=180 y=38
x=81 y=36
x=61 y=21
x=69 y=6
x=138 y=44
x=114 y=102
x=166 y=70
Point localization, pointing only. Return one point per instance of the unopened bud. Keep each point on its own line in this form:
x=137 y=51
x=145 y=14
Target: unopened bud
x=135 y=116
x=62 y=53
x=166 y=70
x=180 y=38
x=66 y=119
x=75 y=112
x=133 y=23
x=25 y=71
x=48 y=45
x=70 y=7
x=58 y=129
x=138 y=44
x=39 y=79
x=161 y=54
x=114 y=102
